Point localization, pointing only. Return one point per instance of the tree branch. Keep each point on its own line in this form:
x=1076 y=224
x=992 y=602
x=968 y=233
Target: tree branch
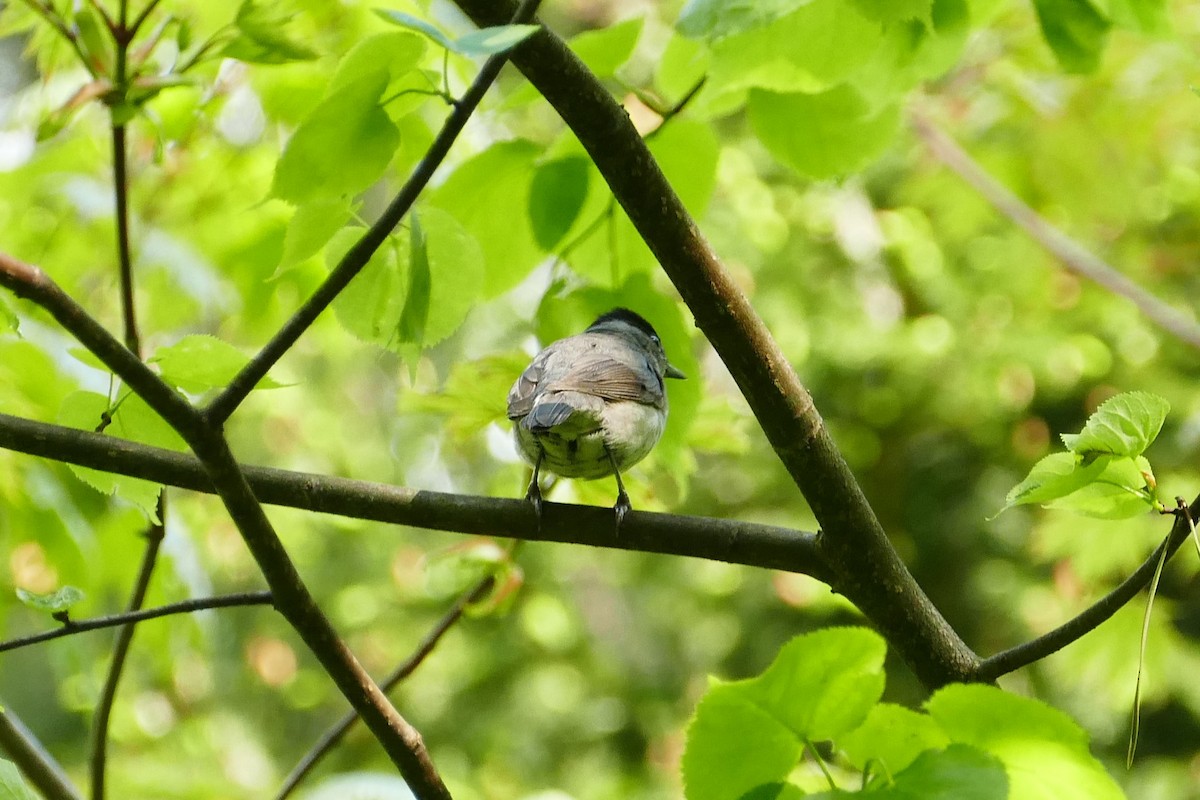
x=1073 y=256
x=400 y=740
x=338 y=730
x=867 y=568
x=731 y=541
x=357 y=257
x=35 y=762
x=130 y=617
x=1036 y=649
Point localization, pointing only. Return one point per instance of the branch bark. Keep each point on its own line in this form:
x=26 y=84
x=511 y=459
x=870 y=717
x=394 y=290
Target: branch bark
x=867 y=568
x=131 y=617
x=699 y=537
x=400 y=740
x=35 y=763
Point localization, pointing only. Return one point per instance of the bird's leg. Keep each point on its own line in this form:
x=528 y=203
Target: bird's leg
x=623 y=505
x=534 y=493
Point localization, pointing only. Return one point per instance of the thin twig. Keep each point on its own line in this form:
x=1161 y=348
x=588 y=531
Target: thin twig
x=142 y=17
x=1088 y=620
x=47 y=12
x=132 y=617
x=357 y=257
x=331 y=737
x=33 y=759
x=732 y=541
x=1073 y=256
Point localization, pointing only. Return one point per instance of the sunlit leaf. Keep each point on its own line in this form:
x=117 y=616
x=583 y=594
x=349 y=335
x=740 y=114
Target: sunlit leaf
x=1123 y=425
x=12 y=783
x=1076 y=31
x=263 y=37
x=198 y=363
x=54 y=602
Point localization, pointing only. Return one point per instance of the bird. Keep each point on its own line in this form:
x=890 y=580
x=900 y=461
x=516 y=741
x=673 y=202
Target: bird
x=593 y=404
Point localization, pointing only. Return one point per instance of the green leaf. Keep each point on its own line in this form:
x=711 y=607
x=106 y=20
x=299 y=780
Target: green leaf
x=54 y=602
x=714 y=19
x=838 y=40
x=892 y=735
x=734 y=746
x=1123 y=425
x=1145 y=16
x=342 y=147
x=12 y=783
x=198 y=363
x=1044 y=751
x=1124 y=489
x=499 y=177
x=416 y=24
x=415 y=315
x=483 y=42
x=960 y=772
x=263 y=37
x=490 y=41
x=1076 y=31
x=749 y=733
x=399 y=52
x=373 y=305
x=606 y=50
x=822 y=135
x=132 y=420
x=370 y=306
x=890 y=11
x=311 y=228
x=556 y=197
x=1055 y=476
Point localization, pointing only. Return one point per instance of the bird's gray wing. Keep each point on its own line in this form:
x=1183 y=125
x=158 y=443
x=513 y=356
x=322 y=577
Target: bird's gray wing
x=523 y=392
x=610 y=379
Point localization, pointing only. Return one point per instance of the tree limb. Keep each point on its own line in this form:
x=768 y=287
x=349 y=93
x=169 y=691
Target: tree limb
x=1075 y=628
x=400 y=740
x=36 y=764
x=130 y=617
x=1073 y=256
x=700 y=537
x=867 y=568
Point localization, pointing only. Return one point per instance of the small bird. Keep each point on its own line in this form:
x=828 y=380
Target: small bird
x=594 y=404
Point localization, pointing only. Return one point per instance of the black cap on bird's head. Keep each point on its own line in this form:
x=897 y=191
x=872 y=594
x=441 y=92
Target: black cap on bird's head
x=634 y=320
x=628 y=317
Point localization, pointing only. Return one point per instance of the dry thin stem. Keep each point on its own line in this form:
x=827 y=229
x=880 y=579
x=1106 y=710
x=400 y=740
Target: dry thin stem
x=1073 y=256
x=128 y=618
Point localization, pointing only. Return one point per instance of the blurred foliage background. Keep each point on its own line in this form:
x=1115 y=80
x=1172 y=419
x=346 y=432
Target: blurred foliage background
x=944 y=348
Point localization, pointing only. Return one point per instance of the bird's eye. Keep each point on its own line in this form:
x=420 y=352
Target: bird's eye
x=654 y=338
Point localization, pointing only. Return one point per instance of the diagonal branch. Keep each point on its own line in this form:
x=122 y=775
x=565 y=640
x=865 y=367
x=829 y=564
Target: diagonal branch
x=1074 y=257
x=867 y=568
x=357 y=257
x=735 y=542
x=130 y=617
x=35 y=762
x=400 y=740
x=338 y=730
x=1075 y=628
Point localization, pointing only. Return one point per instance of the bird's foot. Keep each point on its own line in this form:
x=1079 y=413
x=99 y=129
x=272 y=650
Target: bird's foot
x=622 y=508
x=534 y=497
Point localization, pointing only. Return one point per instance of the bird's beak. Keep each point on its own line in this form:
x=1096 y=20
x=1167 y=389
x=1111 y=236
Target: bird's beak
x=673 y=372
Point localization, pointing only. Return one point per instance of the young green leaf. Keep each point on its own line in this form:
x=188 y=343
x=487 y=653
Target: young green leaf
x=605 y=50
x=54 y=602
x=490 y=41
x=1076 y=31
x=1124 y=489
x=311 y=227
x=9 y=322
x=95 y=41
x=342 y=147
x=556 y=197
x=416 y=24
x=1123 y=425
x=415 y=315
x=822 y=135
x=263 y=37
x=893 y=736
x=198 y=363
x=12 y=783
x=1055 y=476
